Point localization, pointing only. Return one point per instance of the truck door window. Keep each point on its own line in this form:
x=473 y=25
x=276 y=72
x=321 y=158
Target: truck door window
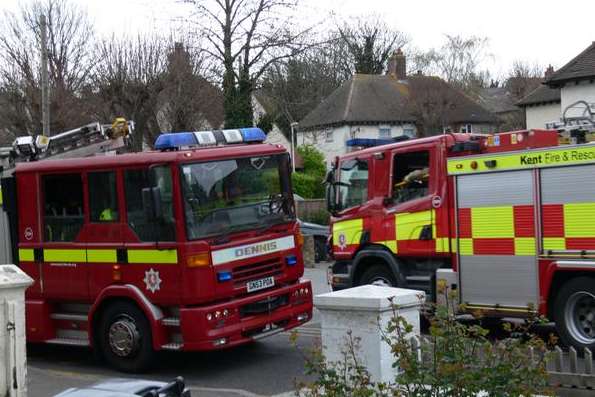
x=146 y=230
x=353 y=183
x=411 y=173
x=63 y=206
x=103 y=197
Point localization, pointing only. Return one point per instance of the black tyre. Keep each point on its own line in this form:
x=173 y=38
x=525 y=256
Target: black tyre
x=125 y=339
x=574 y=313
x=319 y=249
x=378 y=275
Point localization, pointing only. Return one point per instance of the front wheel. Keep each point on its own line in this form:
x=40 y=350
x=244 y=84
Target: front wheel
x=378 y=275
x=574 y=313
x=125 y=338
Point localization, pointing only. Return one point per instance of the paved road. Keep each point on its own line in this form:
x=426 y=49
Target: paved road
x=263 y=368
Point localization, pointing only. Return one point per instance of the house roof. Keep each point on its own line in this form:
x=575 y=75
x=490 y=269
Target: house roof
x=378 y=99
x=581 y=67
x=540 y=95
x=496 y=100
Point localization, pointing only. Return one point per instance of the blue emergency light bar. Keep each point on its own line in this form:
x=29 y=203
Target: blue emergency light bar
x=179 y=140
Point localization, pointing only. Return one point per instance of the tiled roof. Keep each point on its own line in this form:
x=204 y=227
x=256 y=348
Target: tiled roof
x=378 y=99
x=540 y=95
x=581 y=67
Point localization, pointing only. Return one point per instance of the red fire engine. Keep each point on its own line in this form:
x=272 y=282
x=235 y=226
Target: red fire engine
x=507 y=220
x=191 y=247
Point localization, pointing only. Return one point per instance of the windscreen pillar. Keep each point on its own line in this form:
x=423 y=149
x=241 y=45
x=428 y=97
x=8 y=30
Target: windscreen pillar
x=13 y=356
x=359 y=316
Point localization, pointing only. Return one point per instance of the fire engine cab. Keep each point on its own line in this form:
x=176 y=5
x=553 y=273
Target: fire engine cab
x=507 y=221
x=194 y=246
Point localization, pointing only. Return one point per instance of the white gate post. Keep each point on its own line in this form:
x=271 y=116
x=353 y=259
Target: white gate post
x=365 y=311
x=13 y=355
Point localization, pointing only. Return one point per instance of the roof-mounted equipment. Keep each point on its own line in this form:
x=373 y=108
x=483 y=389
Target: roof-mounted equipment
x=188 y=140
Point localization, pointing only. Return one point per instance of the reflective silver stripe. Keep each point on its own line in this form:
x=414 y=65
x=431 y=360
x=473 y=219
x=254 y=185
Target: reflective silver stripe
x=575 y=264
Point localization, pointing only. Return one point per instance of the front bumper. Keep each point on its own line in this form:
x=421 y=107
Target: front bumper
x=250 y=318
x=340 y=275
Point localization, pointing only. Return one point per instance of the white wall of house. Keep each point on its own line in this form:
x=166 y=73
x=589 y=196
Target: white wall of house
x=580 y=91
x=331 y=141
x=538 y=115
x=276 y=137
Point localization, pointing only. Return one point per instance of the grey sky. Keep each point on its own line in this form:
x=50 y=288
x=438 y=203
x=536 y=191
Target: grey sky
x=545 y=32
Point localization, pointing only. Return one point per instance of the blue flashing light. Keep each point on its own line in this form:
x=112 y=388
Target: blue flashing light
x=175 y=140
x=253 y=134
x=223 y=276
x=291 y=260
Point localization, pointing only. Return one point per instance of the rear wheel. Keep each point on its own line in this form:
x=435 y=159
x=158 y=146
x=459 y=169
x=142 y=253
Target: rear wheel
x=574 y=313
x=378 y=275
x=125 y=338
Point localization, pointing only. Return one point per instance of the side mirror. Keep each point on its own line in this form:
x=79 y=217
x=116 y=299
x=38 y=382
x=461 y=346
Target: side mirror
x=152 y=203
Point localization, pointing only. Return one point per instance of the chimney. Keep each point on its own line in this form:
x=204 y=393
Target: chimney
x=397 y=65
x=549 y=72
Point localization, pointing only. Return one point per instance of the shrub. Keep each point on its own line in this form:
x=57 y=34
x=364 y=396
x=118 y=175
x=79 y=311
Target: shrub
x=459 y=359
x=307 y=186
x=309 y=183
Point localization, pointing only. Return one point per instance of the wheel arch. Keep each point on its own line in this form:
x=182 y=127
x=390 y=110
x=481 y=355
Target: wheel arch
x=127 y=293
x=559 y=278
x=372 y=254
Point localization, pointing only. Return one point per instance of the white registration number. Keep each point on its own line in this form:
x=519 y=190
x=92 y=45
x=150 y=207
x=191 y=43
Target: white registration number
x=260 y=284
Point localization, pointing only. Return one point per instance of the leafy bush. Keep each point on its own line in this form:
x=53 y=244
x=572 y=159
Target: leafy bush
x=309 y=183
x=457 y=359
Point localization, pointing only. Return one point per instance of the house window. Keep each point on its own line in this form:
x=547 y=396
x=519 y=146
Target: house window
x=384 y=133
x=446 y=130
x=410 y=132
x=466 y=129
x=328 y=136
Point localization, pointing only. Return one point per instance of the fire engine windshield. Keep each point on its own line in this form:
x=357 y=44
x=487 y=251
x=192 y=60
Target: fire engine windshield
x=226 y=196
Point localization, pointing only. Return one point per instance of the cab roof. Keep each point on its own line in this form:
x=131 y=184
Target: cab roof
x=151 y=157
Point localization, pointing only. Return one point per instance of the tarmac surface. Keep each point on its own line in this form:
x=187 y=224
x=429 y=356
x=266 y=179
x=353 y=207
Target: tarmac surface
x=264 y=368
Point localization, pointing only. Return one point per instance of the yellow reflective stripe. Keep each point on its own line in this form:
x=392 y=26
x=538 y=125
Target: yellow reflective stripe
x=1 y=198
x=390 y=244
x=554 y=243
x=152 y=256
x=410 y=224
x=351 y=229
x=102 y=255
x=65 y=255
x=466 y=246
x=524 y=246
x=26 y=255
x=579 y=220
x=492 y=222
x=524 y=160
x=442 y=244
x=453 y=245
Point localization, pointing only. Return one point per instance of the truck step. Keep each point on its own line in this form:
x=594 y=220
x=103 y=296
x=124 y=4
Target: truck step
x=418 y=279
x=68 y=342
x=172 y=346
x=69 y=317
x=171 y=322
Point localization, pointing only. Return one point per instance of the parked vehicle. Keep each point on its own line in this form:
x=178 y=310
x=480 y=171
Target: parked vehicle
x=194 y=246
x=320 y=233
x=130 y=388
x=506 y=221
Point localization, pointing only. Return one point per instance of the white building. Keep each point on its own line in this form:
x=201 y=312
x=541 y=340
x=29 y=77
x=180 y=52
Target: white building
x=389 y=106
x=573 y=82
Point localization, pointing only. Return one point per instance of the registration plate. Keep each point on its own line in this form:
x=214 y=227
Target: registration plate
x=260 y=284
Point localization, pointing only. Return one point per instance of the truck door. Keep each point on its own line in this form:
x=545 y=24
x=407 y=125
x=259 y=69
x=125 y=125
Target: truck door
x=496 y=239
x=413 y=184
x=64 y=271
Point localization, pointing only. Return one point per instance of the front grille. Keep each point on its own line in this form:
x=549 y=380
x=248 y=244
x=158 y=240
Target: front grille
x=264 y=306
x=255 y=271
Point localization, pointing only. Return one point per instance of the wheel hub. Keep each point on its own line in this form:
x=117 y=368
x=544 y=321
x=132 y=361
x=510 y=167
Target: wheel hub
x=381 y=281
x=124 y=338
x=580 y=317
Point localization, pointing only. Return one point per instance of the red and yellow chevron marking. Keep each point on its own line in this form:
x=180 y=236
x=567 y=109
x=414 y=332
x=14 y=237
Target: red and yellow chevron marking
x=569 y=226
x=502 y=230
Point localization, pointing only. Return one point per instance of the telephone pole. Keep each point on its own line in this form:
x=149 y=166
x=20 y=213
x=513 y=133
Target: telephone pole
x=45 y=89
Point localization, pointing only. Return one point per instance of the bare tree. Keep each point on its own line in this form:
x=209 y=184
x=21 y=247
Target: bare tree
x=370 y=42
x=127 y=81
x=523 y=78
x=432 y=102
x=70 y=35
x=252 y=34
